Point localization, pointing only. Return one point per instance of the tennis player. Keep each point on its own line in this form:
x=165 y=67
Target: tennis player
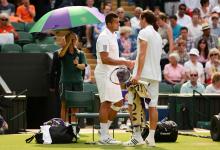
x=147 y=68
x=109 y=93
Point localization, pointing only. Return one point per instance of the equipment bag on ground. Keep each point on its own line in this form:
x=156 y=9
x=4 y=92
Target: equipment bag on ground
x=166 y=131
x=54 y=131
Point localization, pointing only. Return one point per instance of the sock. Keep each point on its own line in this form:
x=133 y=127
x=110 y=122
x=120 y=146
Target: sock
x=104 y=130
x=74 y=127
x=137 y=132
x=109 y=123
x=151 y=134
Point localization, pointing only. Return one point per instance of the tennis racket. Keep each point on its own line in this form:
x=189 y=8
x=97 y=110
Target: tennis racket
x=122 y=75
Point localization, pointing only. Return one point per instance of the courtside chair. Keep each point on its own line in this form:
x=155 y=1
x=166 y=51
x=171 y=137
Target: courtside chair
x=11 y=48
x=81 y=99
x=24 y=38
x=33 y=48
x=18 y=26
x=165 y=88
x=90 y=87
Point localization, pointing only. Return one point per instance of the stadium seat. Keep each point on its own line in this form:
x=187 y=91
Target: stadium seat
x=24 y=38
x=45 y=40
x=51 y=47
x=176 y=88
x=18 y=26
x=11 y=48
x=33 y=48
x=165 y=88
x=28 y=26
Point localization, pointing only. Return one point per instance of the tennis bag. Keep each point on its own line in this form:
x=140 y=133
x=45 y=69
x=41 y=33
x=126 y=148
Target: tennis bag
x=215 y=127
x=59 y=133
x=166 y=131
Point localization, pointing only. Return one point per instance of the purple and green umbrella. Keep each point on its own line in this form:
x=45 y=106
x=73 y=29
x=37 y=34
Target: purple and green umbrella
x=68 y=17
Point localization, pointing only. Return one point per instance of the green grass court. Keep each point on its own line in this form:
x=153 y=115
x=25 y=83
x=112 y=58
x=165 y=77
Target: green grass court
x=17 y=142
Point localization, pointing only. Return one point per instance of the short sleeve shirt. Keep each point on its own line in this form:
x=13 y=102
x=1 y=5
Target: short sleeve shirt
x=69 y=72
x=188 y=88
x=174 y=74
x=106 y=42
x=10 y=8
x=21 y=11
x=151 y=69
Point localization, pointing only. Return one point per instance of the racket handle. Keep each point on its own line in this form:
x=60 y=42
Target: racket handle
x=144 y=82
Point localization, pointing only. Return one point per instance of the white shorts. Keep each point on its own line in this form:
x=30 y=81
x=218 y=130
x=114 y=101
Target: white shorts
x=153 y=91
x=107 y=90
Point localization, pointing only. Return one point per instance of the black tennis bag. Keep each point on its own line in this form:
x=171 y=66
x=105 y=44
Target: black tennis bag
x=59 y=133
x=215 y=127
x=166 y=131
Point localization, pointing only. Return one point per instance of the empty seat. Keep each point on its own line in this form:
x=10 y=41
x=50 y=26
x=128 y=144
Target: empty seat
x=51 y=47
x=18 y=26
x=33 y=48
x=176 y=88
x=45 y=40
x=11 y=48
x=165 y=88
x=24 y=38
x=28 y=26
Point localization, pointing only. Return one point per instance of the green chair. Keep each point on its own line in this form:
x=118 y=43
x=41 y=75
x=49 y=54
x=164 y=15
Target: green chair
x=176 y=88
x=33 y=48
x=45 y=40
x=18 y=26
x=28 y=26
x=90 y=87
x=24 y=38
x=11 y=48
x=165 y=88
x=51 y=47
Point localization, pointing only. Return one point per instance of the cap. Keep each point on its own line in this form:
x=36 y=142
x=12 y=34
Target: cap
x=205 y=26
x=194 y=51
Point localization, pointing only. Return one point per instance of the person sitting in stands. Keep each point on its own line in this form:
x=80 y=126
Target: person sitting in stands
x=213 y=65
x=26 y=11
x=215 y=86
x=192 y=84
x=174 y=73
x=5 y=25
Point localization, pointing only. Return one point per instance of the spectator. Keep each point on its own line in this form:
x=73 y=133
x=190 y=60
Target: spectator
x=121 y=14
x=214 y=88
x=171 y=7
x=135 y=21
x=191 y=4
x=213 y=65
x=189 y=41
x=194 y=28
x=125 y=42
x=5 y=25
x=174 y=73
x=193 y=64
x=205 y=9
x=203 y=51
x=215 y=29
x=181 y=50
x=6 y=7
x=157 y=11
x=87 y=76
x=89 y=3
x=182 y=18
x=212 y=40
x=26 y=11
x=192 y=84
x=165 y=32
x=175 y=27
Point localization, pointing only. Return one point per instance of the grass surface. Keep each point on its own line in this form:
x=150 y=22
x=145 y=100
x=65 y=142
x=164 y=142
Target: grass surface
x=17 y=142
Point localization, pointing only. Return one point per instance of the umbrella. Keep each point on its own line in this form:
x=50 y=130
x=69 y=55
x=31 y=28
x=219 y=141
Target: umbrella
x=67 y=17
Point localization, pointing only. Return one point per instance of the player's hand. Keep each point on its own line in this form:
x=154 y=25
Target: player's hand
x=135 y=79
x=130 y=64
x=76 y=61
